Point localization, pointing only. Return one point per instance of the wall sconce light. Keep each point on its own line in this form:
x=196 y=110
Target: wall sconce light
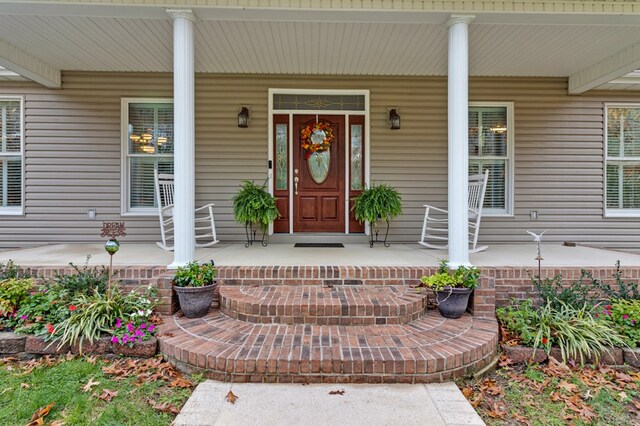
x=394 y=119
x=243 y=117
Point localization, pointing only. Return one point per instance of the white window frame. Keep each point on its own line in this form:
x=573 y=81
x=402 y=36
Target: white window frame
x=126 y=210
x=13 y=210
x=509 y=166
x=615 y=212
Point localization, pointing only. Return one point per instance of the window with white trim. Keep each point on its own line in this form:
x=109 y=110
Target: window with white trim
x=11 y=155
x=622 y=161
x=147 y=145
x=491 y=147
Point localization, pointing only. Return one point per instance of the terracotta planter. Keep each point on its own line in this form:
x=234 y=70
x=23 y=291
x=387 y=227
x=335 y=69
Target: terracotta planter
x=195 y=301
x=452 y=302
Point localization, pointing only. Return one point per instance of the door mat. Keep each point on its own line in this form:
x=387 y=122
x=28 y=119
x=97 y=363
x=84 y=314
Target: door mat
x=319 y=245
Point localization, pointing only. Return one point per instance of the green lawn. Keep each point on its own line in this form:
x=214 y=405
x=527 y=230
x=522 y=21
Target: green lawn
x=147 y=391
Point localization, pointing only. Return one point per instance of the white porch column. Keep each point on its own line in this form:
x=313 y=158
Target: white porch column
x=458 y=102
x=184 y=136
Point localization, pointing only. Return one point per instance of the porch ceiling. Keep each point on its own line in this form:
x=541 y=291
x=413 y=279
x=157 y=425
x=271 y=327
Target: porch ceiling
x=318 y=42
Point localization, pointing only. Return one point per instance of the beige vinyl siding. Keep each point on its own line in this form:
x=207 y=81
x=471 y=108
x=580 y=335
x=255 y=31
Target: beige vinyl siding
x=72 y=153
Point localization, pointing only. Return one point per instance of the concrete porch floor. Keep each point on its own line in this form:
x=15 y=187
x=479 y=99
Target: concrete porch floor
x=399 y=254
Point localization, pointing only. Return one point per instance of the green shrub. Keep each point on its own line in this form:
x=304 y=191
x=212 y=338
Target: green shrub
x=622 y=290
x=577 y=294
x=577 y=333
x=520 y=320
x=13 y=292
x=586 y=291
x=624 y=317
x=84 y=281
x=44 y=308
x=11 y=270
x=195 y=275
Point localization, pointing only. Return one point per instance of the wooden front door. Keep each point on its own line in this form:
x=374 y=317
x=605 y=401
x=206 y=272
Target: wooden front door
x=319 y=192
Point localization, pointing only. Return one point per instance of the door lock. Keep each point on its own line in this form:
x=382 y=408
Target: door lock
x=295 y=184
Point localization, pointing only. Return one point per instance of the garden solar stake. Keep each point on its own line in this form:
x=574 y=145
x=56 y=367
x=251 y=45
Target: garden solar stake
x=538 y=239
x=112 y=230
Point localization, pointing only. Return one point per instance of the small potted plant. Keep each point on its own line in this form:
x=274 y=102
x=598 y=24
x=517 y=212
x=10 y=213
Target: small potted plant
x=376 y=203
x=452 y=288
x=253 y=205
x=195 y=285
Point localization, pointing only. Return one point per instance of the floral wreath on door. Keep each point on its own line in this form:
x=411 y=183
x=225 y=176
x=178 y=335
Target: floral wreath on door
x=316 y=137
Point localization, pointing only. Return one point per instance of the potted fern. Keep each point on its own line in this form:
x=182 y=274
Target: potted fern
x=253 y=205
x=452 y=288
x=195 y=285
x=377 y=203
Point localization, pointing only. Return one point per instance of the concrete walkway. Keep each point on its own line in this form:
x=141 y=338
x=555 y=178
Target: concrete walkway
x=310 y=405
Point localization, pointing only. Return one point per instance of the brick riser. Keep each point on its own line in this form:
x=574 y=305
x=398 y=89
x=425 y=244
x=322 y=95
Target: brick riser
x=320 y=305
x=430 y=349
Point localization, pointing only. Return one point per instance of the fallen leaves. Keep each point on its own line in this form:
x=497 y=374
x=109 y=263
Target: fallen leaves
x=568 y=387
x=476 y=401
x=573 y=389
x=181 y=382
x=467 y=392
x=504 y=361
x=164 y=407
x=90 y=384
x=336 y=392
x=106 y=395
x=489 y=386
x=37 y=419
x=231 y=397
x=496 y=411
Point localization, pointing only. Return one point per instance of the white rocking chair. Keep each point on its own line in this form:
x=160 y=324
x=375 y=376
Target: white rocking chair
x=205 y=226
x=435 y=228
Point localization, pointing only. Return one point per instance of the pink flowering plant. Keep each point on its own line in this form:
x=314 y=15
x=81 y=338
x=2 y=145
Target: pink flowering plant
x=137 y=329
x=623 y=316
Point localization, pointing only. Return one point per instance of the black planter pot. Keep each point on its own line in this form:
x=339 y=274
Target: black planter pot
x=452 y=302
x=195 y=301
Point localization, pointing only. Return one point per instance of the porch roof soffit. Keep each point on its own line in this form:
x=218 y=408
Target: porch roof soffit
x=450 y=6
x=619 y=64
x=29 y=66
x=233 y=36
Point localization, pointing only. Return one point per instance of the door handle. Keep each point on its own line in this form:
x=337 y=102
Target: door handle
x=295 y=185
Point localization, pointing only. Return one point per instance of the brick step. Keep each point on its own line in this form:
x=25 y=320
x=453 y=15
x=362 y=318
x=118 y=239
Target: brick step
x=322 y=305
x=429 y=349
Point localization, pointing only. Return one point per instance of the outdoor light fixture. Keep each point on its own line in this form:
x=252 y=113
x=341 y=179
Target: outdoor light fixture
x=243 y=117
x=394 y=119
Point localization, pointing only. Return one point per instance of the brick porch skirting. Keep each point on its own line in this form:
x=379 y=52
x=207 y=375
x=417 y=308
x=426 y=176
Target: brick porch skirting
x=321 y=324
x=498 y=284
